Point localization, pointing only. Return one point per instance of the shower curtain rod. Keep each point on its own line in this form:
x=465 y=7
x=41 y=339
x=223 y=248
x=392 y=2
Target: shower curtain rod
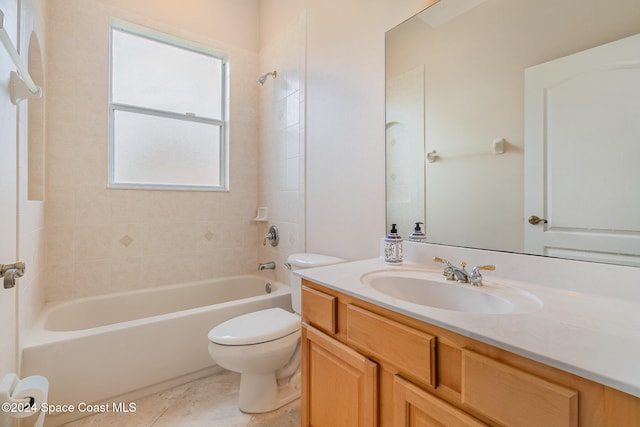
x=22 y=85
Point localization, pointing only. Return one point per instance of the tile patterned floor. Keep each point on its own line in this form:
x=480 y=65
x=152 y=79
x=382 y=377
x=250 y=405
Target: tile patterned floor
x=207 y=402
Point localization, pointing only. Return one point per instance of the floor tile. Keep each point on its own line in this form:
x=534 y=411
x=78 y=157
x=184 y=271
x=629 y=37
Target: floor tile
x=207 y=402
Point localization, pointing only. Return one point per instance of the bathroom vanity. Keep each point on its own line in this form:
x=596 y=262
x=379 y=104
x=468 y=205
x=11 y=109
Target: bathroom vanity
x=370 y=360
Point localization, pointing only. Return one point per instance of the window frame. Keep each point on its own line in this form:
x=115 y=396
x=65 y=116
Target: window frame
x=222 y=123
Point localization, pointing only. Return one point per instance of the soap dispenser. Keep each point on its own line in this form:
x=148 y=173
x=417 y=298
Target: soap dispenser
x=418 y=235
x=393 y=247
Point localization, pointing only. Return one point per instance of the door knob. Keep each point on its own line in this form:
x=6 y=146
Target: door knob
x=534 y=220
x=10 y=272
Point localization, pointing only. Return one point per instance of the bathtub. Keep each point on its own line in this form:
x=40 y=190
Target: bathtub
x=126 y=345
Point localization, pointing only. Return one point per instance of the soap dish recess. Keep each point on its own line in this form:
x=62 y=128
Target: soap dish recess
x=262 y=214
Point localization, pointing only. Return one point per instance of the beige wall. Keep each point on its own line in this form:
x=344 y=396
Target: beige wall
x=101 y=240
x=233 y=22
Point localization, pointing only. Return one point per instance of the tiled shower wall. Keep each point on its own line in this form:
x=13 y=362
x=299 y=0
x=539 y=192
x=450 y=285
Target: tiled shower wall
x=281 y=181
x=101 y=240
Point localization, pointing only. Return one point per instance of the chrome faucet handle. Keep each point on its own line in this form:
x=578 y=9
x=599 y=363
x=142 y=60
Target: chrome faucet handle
x=442 y=261
x=272 y=236
x=449 y=271
x=476 y=278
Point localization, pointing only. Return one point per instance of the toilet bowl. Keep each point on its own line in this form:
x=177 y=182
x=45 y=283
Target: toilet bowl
x=264 y=346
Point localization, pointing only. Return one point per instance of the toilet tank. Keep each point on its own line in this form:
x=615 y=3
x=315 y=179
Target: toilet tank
x=305 y=260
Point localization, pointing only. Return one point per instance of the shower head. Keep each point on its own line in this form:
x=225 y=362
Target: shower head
x=263 y=78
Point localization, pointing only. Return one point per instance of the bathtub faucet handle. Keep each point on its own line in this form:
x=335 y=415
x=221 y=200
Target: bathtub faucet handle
x=272 y=236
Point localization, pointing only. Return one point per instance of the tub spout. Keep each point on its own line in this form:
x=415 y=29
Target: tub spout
x=267 y=266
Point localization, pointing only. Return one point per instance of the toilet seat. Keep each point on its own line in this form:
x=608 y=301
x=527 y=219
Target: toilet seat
x=255 y=328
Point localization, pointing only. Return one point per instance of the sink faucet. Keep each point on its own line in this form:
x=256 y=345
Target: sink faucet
x=451 y=272
x=459 y=274
x=267 y=266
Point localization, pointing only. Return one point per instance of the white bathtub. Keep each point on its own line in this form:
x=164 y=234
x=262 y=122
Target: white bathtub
x=126 y=345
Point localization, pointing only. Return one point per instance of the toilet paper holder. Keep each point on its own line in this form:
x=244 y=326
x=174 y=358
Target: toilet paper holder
x=23 y=398
x=7 y=386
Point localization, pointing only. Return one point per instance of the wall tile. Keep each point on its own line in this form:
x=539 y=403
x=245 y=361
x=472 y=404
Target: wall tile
x=281 y=186
x=135 y=238
x=92 y=278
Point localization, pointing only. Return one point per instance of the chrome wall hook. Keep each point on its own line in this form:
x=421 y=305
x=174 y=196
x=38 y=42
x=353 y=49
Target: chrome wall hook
x=432 y=156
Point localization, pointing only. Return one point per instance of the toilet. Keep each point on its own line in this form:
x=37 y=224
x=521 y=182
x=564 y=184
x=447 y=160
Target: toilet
x=264 y=346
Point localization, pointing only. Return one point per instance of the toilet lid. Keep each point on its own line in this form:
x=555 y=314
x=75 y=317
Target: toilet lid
x=255 y=328
x=309 y=260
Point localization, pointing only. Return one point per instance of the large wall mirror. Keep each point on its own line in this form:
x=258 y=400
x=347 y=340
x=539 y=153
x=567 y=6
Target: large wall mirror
x=515 y=126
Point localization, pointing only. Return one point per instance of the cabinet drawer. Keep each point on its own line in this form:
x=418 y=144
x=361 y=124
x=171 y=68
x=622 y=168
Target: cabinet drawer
x=411 y=351
x=513 y=397
x=319 y=309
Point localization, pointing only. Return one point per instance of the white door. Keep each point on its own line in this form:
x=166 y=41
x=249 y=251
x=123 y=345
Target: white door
x=582 y=154
x=8 y=204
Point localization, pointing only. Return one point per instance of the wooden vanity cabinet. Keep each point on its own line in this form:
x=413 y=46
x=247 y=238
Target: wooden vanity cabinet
x=363 y=365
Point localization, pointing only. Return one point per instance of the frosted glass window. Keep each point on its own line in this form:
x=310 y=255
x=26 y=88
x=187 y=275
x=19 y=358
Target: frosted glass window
x=165 y=151
x=167 y=112
x=161 y=76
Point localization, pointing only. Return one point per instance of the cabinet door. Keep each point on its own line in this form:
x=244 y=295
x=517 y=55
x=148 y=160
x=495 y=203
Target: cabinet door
x=339 y=385
x=415 y=407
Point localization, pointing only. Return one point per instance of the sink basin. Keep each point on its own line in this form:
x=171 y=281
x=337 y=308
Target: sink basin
x=431 y=290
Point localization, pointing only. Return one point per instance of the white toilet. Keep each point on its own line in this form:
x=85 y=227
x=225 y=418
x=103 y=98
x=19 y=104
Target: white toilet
x=264 y=346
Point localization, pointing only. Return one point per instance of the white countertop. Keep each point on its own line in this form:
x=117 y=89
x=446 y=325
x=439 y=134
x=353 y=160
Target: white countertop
x=589 y=334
